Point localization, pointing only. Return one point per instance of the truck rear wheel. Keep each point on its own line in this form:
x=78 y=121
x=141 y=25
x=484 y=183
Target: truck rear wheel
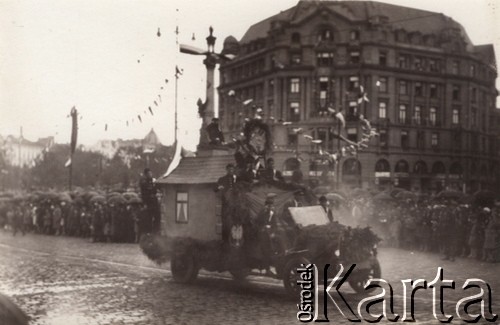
x=291 y=276
x=359 y=279
x=184 y=267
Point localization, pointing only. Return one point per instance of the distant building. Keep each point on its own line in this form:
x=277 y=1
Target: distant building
x=431 y=93
x=110 y=147
x=21 y=152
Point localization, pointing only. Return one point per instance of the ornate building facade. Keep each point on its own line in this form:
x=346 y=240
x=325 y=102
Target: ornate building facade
x=431 y=94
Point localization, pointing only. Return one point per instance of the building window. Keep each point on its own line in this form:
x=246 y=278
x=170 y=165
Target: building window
x=181 y=213
x=352 y=113
x=383 y=138
x=296 y=58
x=382 y=110
x=354 y=35
x=382 y=84
x=325 y=35
x=433 y=116
x=474 y=116
x=455 y=67
x=354 y=57
x=292 y=139
x=455 y=118
x=295 y=38
x=418 y=115
x=294 y=111
x=405 y=139
x=419 y=89
x=382 y=59
x=420 y=139
x=433 y=91
x=270 y=87
x=433 y=66
x=323 y=91
x=352 y=134
x=353 y=83
x=403 y=87
x=472 y=70
x=435 y=140
x=455 y=92
x=294 y=85
x=474 y=95
x=403 y=61
x=417 y=64
x=402 y=114
x=324 y=59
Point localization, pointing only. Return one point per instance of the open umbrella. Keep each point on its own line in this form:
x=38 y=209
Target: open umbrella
x=484 y=198
x=335 y=197
x=130 y=195
x=321 y=190
x=450 y=194
x=134 y=200
x=404 y=195
x=117 y=199
x=396 y=191
x=383 y=196
x=98 y=199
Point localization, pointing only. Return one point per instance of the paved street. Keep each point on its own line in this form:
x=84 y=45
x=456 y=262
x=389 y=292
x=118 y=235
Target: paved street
x=70 y=281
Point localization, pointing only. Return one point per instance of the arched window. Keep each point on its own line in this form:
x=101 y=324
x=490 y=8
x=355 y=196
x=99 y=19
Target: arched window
x=438 y=168
x=420 y=167
x=402 y=167
x=382 y=166
x=325 y=34
x=351 y=167
x=295 y=38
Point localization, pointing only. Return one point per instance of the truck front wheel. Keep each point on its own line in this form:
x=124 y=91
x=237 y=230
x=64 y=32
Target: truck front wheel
x=184 y=267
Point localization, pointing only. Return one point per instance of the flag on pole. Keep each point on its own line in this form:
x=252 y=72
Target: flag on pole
x=68 y=162
x=74 y=128
x=150 y=110
x=178 y=72
x=340 y=117
x=175 y=160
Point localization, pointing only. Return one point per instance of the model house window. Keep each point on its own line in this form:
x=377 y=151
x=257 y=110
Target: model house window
x=418 y=115
x=402 y=114
x=382 y=110
x=295 y=85
x=433 y=116
x=403 y=87
x=181 y=211
x=435 y=140
x=294 y=111
x=455 y=118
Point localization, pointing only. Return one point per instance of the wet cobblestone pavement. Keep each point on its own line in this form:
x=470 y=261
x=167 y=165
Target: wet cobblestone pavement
x=69 y=281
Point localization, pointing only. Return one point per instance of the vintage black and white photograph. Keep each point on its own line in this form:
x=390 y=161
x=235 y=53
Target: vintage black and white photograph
x=249 y=162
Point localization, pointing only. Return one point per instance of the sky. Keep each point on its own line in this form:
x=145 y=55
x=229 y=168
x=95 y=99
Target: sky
x=105 y=58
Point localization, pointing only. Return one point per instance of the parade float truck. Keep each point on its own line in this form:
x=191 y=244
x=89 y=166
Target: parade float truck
x=193 y=213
